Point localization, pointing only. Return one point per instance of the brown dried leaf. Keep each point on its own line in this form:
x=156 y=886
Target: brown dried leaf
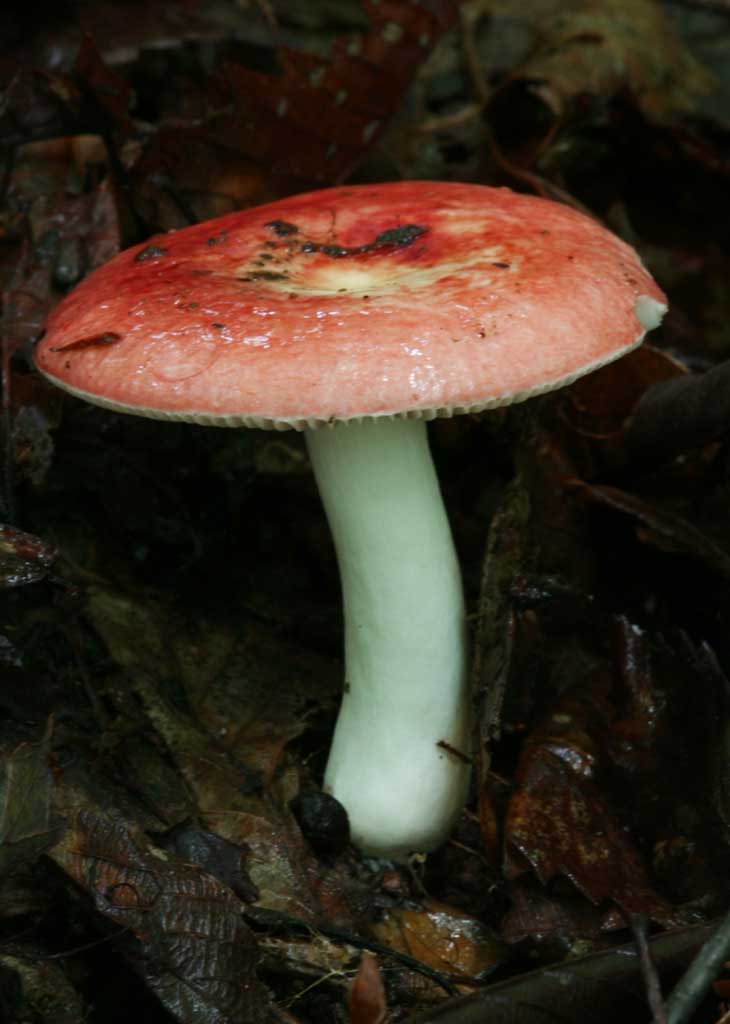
x=230 y=784
x=316 y=119
x=367 y=994
x=553 y=923
x=190 y=942
x=558 y=820
x=661 y=529
x=40 y=991
x=28 y=826
x=446 y=939
x=602 y=47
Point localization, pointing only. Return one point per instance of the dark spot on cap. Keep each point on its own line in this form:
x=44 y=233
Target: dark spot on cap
x=188 y=307
x=92 y=341
x=217 y=239
x=282 y=228
x=400 y=236
x=218 y=327
x=393 y=238
x=150 y=252
x=265 y=275
x=335 y=251
x=502 y=266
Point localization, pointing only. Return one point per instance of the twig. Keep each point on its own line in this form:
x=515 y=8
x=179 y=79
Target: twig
x=639 y=926
x=695 y=982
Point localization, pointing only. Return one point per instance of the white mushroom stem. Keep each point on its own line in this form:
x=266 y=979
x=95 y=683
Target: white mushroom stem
x=398 y=758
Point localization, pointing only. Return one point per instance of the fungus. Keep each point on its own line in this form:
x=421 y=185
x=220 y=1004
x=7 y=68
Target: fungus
x=348 y=333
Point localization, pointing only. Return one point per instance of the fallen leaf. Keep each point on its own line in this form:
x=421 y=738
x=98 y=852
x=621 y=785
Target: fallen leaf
x=558 y=820
x=28 y=824
x=449 y=940
x=316 y=119
x=660 y=528
x=367 y=994
x=600 y=48
x=180 y=927
x=38 y=991
x=230 y=783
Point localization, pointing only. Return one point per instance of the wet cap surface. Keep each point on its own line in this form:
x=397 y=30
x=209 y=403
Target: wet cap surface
x=412 y=298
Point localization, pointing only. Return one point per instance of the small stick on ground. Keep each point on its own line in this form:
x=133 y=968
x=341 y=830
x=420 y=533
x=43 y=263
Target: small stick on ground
x=639 y=926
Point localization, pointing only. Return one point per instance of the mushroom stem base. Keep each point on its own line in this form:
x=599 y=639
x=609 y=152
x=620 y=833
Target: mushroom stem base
x=398 y=758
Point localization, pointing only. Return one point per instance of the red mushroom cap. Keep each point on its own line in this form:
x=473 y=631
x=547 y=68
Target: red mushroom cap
x=412 y=298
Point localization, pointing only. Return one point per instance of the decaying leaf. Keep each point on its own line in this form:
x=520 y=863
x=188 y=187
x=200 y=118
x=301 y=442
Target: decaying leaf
x=180 y=927
x=661 y=528
x=28 y=824
x=367 y=994
x=600 y=48
x=559 y=821
x=450 y=941
x=229 y=781
x=316 y=119
x=37 y=990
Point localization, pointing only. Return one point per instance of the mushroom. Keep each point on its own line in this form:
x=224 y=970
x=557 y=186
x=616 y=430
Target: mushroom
x=356 y=314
